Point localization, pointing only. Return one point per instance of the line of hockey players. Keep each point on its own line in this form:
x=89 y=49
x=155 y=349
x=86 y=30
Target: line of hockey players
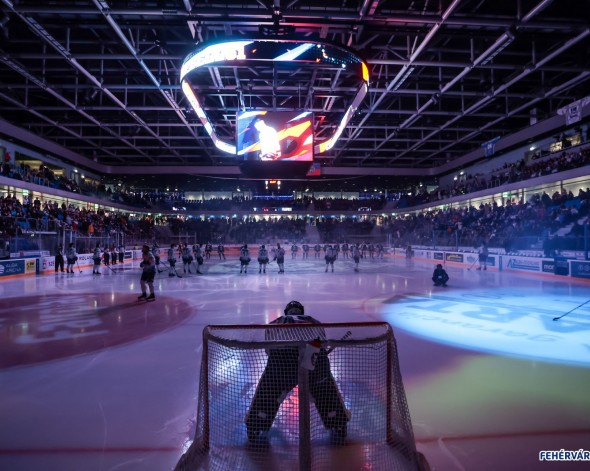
x=194 y=257
x=107 y=255
x=373 y=251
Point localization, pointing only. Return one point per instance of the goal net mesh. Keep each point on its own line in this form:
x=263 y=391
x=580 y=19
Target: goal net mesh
x=260 y=408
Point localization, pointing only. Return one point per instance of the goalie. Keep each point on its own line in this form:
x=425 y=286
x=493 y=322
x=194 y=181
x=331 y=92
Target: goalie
x=281 y=376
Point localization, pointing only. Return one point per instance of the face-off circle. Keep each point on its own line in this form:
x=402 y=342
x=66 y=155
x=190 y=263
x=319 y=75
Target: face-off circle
x=37 y=329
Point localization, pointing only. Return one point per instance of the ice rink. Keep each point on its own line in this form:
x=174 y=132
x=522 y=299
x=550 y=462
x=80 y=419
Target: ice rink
x=93 y=380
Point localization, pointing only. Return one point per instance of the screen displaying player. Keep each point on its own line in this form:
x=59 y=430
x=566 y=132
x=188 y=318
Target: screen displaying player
x=275 y=136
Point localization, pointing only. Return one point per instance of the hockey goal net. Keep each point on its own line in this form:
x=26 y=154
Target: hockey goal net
x=301 y=397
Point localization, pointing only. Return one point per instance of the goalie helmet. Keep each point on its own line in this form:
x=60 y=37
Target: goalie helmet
x=294 y=308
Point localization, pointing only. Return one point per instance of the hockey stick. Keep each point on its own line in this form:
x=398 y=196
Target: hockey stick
x=109 y=267
x=577 y=307
x=175 y=272
x=171 y=269
x=344 y=337
x=78 y=266
x=474 y=262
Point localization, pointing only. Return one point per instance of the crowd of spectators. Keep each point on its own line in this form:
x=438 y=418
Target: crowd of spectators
x=349 y=229
x=42 y=176
x=163 y=201
x=283 y=228
x=508 y=173
x=499 y=225
x=17 y=217
x=510 y=226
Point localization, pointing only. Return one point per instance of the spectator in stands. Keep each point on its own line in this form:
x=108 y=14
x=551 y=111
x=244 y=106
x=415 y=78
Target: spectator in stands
x=281 y=375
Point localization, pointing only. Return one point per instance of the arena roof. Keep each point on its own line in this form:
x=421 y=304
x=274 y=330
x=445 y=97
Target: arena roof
x=101 y=77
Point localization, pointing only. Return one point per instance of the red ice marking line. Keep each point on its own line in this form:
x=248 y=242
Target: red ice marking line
x=53 y=451
x=487 y=436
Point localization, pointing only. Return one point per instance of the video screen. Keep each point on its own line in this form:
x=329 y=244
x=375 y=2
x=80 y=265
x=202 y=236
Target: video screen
x=279 y=136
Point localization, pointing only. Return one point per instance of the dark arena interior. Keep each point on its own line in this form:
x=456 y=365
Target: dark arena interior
x=415 y=173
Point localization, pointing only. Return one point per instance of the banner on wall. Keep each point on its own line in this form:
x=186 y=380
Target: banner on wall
x=548 y=266
x=489 y=147
x=573 y=111
x=523 y=263
x=454 y=257
x=580 y=269
x=13 y=267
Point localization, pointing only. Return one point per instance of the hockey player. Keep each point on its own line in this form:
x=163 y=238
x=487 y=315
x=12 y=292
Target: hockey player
x=71 y=257
x=221 y=251
x=262 y=258
x=114 y=254
x=106 y=256
x=440 y=276
x=198 y=254
x=156 y=254
x=345 y=249
x=208 y=250
x=317 y=249
x=280 y=257
x=330 y=257
x=483 y=257
x=380 y=251
x=244 y=258
x=305 y=251
x=172 y=260
x=148 y=265
x=371 y=251
x=121 y=253
x=356 y=256
x=96 y=258
x=294 y=250
x=59 y=259
x=187 y=258
x=281 y=375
